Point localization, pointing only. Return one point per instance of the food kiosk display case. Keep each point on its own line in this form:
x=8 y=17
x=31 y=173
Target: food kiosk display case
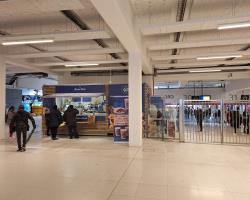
x=90 y=100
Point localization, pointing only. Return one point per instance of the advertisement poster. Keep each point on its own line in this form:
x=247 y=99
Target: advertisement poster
x=119 y=114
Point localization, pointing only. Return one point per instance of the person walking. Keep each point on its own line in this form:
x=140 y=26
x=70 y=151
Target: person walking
x=54 y=120
x=21 y=122
x=9 y=116
x=70 y=118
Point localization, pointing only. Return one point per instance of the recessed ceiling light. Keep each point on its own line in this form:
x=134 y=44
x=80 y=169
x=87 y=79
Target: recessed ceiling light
x=218 y=57
x=238 y=25
x=205 y=71
x=8 y=43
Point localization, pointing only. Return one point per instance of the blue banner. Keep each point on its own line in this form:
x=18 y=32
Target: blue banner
x=80 y=89
x=118 y=90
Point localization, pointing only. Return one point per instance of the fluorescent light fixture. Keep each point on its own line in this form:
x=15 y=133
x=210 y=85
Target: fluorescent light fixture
x=205 y=71
x=238 y=25
x=26 y=42
x=81 y=64
x=218 y=57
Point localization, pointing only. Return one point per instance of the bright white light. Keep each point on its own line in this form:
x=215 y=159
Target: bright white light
x=204 y=71
x=218 y=57
x=81 y=64
x=26 y=42
x=229 y=26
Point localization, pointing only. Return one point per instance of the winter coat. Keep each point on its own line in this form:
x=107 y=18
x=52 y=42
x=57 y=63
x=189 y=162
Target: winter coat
x=54 y=118
x=9 y=117
x=21 y=119
x=70 y=116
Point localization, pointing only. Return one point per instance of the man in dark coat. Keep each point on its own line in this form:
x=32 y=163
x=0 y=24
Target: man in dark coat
x=200 y=118
x=54 y=120
x=20 y=121
x=70 y=118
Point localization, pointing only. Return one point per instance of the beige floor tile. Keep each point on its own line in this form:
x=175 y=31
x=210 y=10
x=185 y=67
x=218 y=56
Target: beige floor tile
x=126 y=189
x=94 y=168
x=150 y=191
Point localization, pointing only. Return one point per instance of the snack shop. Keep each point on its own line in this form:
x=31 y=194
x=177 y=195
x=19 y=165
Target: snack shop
x=103 y=109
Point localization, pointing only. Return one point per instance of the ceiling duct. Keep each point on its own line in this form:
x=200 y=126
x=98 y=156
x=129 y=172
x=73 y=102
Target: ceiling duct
x=71 y=15
x=13 y=79
x=179 y=17
x=100 y=73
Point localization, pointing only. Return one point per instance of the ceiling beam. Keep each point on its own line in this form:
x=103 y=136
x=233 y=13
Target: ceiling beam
x=26 y=65
x=194 y=56
x=197 y=44
x=191 y=25
x=67 y=53
x=67 y=36
x=80 y=62
x=89 y=69
x=118 y=14
x=202 y=76
x=204 y=68
x=201 y=64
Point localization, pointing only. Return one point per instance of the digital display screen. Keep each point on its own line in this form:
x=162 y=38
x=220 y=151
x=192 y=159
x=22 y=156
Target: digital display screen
x=205 y=97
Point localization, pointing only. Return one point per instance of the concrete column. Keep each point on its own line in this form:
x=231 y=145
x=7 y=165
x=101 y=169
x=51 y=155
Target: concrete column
x=2 y=98
x=135 y=99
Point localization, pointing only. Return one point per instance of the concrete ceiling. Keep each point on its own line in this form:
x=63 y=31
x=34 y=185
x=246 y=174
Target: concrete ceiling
x=170 y=34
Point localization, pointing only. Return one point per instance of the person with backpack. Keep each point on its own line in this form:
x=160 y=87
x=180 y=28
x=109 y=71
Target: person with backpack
x=54 y=120
x=70 y=118
x=21 y=122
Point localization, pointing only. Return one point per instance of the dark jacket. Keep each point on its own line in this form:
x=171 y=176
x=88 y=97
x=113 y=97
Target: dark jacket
x=54 y=118
x=21 y=118
x=70 y=116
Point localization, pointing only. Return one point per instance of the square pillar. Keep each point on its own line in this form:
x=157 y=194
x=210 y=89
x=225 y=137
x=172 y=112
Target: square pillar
x=2 y=97
x=135 y=99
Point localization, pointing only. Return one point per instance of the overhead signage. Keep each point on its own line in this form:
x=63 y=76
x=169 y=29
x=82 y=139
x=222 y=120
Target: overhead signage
x=80 y=89
x=118 y=90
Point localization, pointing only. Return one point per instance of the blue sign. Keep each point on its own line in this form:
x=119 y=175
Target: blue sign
x=80 y=89
x=157 y=101
x=76 y=99
x=86 y=99
x=118 y=90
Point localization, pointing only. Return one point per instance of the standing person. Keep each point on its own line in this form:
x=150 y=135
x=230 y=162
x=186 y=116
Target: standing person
x=236 y=119
x=200 y=118
x=9 y=116
x=46 y=116
x=54 y=121
x=159 y=121
x=20 y=121
x=70 y=118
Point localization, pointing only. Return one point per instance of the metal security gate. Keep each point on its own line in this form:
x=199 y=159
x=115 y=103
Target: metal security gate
x=215 y=121
x=202 y=121
x=236 y=122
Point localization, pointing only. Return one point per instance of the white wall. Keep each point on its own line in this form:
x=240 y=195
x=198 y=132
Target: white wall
x=34 y=83
x=238 y=85
x=174 y=95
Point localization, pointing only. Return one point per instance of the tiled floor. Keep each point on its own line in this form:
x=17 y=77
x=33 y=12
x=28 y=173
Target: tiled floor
x=96 y=169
